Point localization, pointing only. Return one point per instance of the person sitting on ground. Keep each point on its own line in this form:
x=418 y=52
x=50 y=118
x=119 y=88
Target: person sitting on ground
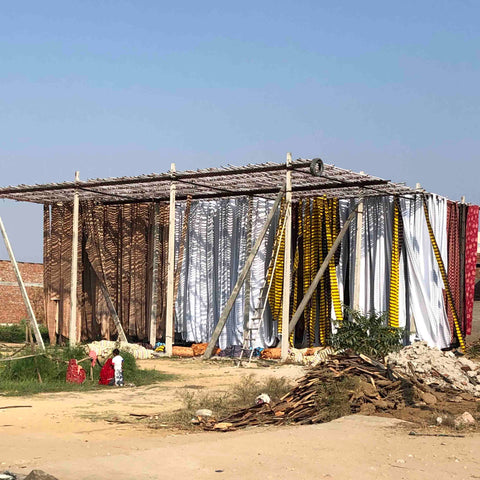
x=117 y=361
x=107 y=373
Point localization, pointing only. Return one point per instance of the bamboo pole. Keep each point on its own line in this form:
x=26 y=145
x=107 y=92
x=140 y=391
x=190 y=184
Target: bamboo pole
x=321 y=271
x=73 y=280
x=108 y=300
x=287 y=264
x=169 y=323
x=154 y=293
x=23 y=290
x=241 y=278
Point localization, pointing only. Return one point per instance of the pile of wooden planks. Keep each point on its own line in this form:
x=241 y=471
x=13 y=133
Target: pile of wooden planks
x=342 y=385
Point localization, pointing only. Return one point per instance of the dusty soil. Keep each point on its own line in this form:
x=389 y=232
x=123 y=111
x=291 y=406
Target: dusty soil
x=67 y=434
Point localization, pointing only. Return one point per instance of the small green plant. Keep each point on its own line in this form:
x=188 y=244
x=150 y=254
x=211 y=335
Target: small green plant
x=367 y=334
x=473 y=350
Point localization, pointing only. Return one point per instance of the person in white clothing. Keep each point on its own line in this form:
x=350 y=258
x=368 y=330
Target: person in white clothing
x=117 y=361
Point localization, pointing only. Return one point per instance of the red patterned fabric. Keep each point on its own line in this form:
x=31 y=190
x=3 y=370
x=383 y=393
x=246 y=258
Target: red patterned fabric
x=470 y=263
x=75 y=373
x=453 y=268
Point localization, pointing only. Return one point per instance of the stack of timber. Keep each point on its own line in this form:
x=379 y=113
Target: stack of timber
x=343 y=385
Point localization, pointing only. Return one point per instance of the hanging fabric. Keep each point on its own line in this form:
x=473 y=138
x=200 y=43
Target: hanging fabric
x=319 y=230
x=344 y=254
x=268 y=333
x=318 y=304
x=275 y=272
x=462 y=248
x=453 y=259
x=426 y=302
x=296 y=271
x=50 y=304
x=332 y=233
x=318 y=224
x=443 y=272
x=215 y=252
x=393 y=310
x=57 y=246
x=180 y=247
x=118 y=246
x=374 y=255
x=471 y=247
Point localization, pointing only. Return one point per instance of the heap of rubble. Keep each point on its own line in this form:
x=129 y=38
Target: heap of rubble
x=437 y=369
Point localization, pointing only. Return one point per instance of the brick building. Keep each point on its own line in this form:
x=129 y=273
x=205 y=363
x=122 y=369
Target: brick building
x=12 y=308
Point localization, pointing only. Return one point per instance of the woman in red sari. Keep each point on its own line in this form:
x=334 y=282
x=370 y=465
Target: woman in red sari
x=107 y=373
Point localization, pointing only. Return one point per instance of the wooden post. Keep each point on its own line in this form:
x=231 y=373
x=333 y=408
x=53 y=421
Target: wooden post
x=72 y=334
x=241 y=278
x=287 y=263
x=169 y=323
x=23 y=290
x=321 y=271
x=358 y=256
x=154 y=296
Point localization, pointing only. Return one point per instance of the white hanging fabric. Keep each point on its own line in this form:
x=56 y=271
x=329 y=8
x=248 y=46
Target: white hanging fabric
x=375 y=254
x=267 y=335
x=215 y=252
x=424 y=292
x=345 y=208
x=425 y=282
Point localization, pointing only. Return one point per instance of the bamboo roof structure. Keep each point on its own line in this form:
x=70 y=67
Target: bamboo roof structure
x=263 y=180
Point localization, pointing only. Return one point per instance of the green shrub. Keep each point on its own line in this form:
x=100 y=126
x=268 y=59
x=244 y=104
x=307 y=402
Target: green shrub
x=15 y=333
x=52 y=366
x=367 y=334
x=21 y=377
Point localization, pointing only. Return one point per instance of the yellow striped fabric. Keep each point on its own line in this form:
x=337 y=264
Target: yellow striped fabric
x=393 y=311
x=276 y=269
x=296 y=267
x=331 y=231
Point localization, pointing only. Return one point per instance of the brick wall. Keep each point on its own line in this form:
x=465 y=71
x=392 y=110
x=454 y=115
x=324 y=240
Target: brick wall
x=12 y=308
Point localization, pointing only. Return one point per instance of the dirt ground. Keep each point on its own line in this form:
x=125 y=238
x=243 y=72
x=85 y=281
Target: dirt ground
x=67 y=435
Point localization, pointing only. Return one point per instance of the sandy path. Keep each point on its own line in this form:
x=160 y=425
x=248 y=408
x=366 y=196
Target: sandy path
x=71 y=424
x=58 y=436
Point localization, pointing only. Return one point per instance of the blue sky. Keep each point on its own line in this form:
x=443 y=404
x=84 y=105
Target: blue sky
x=116 y=88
